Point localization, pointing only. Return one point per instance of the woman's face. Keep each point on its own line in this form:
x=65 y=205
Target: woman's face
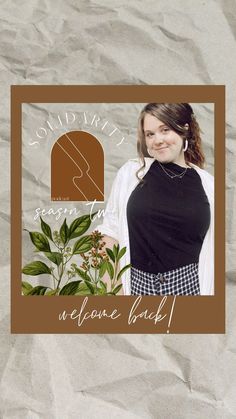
x=164 y=144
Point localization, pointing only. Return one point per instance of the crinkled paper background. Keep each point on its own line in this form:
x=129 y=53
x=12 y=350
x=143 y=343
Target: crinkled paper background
x=117 y=42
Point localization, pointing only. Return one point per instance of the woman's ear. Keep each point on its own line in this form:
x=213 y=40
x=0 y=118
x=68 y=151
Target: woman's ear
x=186 y=126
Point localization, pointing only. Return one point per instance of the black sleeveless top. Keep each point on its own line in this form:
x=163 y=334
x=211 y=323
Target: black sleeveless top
x=167 y=219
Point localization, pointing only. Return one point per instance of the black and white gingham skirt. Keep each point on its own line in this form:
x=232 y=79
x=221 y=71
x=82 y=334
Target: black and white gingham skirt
x=180 y=281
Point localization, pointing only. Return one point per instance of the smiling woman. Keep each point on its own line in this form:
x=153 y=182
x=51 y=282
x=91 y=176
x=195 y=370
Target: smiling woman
x=161 y=207
x=173 y=128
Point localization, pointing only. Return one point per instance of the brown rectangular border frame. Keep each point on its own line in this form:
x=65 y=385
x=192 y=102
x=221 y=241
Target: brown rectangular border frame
x=203 y=314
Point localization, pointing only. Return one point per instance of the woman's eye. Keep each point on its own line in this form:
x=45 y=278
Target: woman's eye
x=149 y=134
x=166 y=129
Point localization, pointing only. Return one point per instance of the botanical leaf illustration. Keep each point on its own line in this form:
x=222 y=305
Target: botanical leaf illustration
x=79 y=226
x=82 y=274
x=83 y=289
x=40 y=241
x=46 y=229
x=117 y=289
x=122 y=271
x=70 y=289
x=39 y=290
x=36 y=268
x=82 y=245
x=26 y=287
x=110 y=269
x=96 y=262
x=102 y=269
x=110 y=254
x=64 y=230
x=121 y=253
x=54 y=257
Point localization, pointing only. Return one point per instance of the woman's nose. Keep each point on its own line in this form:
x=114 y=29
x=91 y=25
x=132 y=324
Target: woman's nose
x=158 y=138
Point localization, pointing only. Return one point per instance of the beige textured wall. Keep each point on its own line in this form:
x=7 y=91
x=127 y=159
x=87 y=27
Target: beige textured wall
x=103 y=42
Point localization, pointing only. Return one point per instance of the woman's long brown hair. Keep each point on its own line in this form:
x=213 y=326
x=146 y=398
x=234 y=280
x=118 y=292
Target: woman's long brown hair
x=175 y=116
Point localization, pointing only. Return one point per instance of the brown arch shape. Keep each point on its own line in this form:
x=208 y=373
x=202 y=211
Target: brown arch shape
x=77 y=168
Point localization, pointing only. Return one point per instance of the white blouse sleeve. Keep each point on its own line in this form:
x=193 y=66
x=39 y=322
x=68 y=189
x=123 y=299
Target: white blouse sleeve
x=110 y=224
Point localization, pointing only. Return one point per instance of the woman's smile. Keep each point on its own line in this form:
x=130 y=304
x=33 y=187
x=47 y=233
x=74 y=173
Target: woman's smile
x=160 y=149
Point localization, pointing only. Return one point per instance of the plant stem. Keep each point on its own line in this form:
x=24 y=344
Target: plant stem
x=60 y=277
x=90 y=275
x=96 y=268
x=54 y=279
x=60 y=273
x=115 y=275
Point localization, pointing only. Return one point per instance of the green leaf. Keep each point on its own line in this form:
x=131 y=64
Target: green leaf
x=70 y=289
x=79 y=226
x=51 y=292
x=110 y=254
x=40 y=241
x=36 y=268
x=121 y=253
x=83 y=290
x=54 y=257
x=46 y=229
x=82 y=245
x=64 y=232
x=39 y=290
x=122 y=271
x=26 y=287
x=117 y=289
x=82 y=274
x=116 y=250
x=101 y=291
x=102 y=269
x=90 y=287
x=103 y=285
x=110 y=269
